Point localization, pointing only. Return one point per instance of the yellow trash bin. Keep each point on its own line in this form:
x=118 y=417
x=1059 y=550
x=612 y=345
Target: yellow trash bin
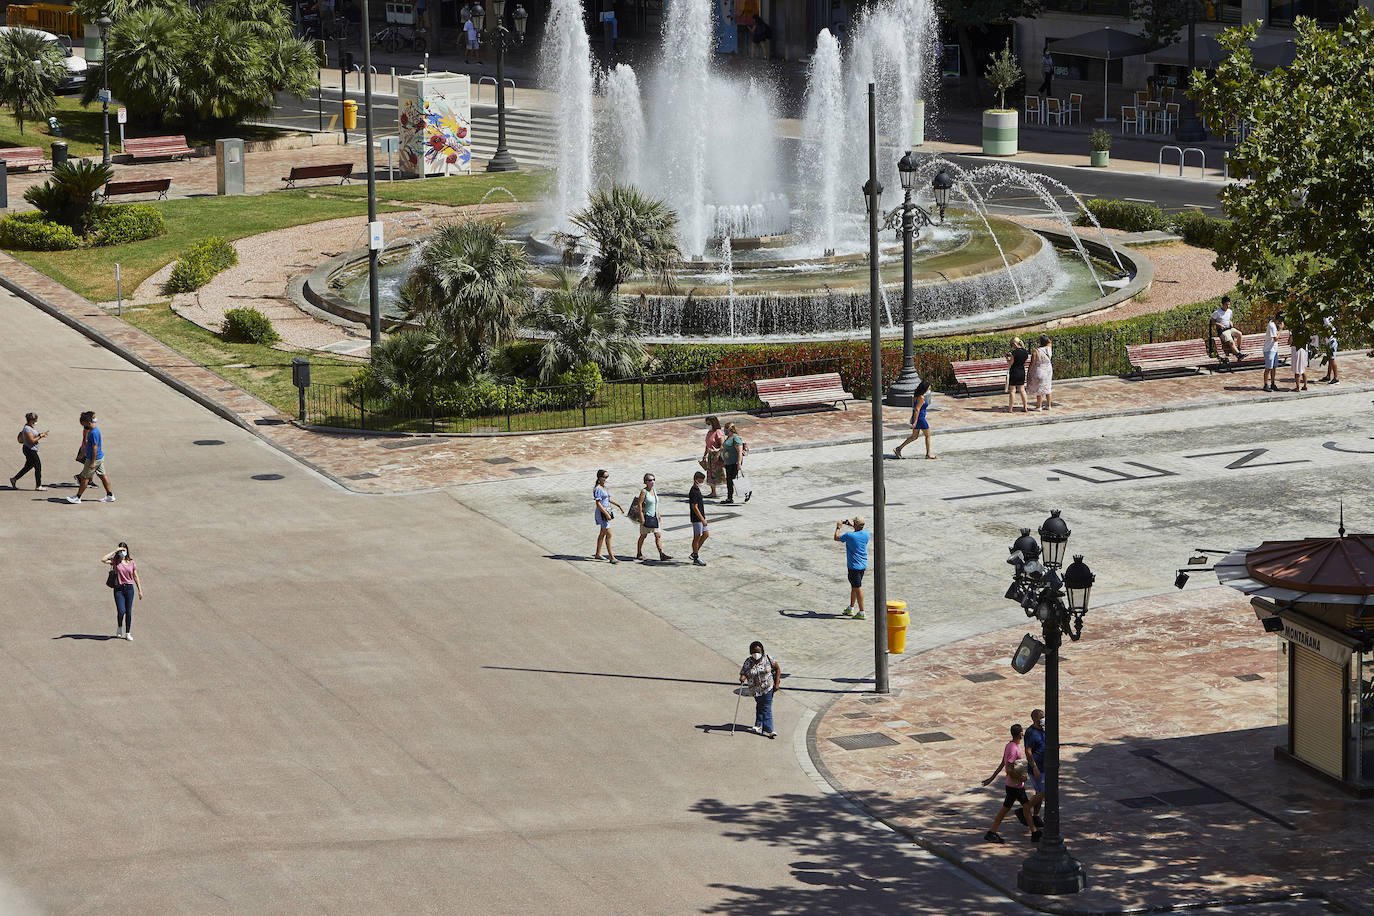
x=897 y=622
x=350 y=114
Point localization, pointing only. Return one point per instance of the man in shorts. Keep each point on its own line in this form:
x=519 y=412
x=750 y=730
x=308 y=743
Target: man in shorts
x=1035 y=750
x=855 y=560
x=1014 y=760
x=697 y=504
x=1227 y=333
x=92 y=457
x=473 y=47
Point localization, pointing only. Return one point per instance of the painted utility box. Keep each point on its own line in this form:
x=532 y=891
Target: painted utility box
x=434 y=117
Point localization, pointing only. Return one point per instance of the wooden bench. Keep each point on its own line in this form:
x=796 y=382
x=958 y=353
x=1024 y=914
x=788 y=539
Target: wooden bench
x=22 y=157
x=157 y=147
x=137 y=186
x=980 y=373
x=803 y=391
x=342 y=170
x=1193 y=354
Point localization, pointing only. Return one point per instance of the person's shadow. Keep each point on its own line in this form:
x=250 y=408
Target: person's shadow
x=99 y=637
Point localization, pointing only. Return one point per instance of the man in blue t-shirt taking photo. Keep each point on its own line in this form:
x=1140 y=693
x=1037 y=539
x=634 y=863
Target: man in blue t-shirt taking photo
x=92 y=458
x=1035 y=747
x=856 y=561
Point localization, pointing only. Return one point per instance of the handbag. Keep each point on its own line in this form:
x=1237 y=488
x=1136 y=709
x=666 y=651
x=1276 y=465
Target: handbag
x=1019 y=771
x=112 y=580
x=650 y=521
x=743 y=485
x=636 y=515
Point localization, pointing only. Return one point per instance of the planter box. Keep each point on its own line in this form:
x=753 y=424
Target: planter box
x=1099 y=158
x=1000 y=132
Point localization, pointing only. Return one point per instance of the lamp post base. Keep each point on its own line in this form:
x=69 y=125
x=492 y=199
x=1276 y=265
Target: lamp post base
x=503 y=161
x=902 y=393
x=1051 y=870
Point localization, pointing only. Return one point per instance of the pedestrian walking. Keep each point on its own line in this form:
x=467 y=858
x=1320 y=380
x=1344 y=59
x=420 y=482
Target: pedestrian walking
x=1331 y=348
x=602 y=515
x=1041 y=373
x=711 y=461
x=855 y=560
x=733 y=448
x=697 y=508
x=919 y=425
x=28 y=444
x=91 y=454
x=123 y=578
x=1016 y=373
x=1271 y=352
x=645 y=510
x=1014 y=761
x=1035 y=750
x=762 y=675
x=1046 y=70
x=1297 y=358
x=473 y=47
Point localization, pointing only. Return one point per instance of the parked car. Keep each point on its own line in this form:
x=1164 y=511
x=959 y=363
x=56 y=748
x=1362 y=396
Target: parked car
x=76 y=66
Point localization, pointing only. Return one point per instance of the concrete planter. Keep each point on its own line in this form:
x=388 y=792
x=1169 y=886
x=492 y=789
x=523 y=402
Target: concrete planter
x=1000 y=132
x=1099 y=158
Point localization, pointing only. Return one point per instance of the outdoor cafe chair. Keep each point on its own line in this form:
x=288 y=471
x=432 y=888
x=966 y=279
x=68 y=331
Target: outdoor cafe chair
x=1129 y=118
x=1075 y=107
x=1033 y=114
x=1054 y=112
x=1168 y=118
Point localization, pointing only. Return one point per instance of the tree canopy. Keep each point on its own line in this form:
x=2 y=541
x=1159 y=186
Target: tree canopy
x=31 y=69
x=1161 y=20
x=1303 y=226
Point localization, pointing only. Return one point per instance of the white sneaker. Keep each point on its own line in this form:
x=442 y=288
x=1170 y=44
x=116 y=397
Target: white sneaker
x=107 y=498
x=129 y=636
x=849 y=612
x=756 y=730
x=859 y=615
x=73 y=499
x=119 y=634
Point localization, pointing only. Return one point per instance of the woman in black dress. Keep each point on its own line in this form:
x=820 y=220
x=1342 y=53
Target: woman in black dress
x=1016 y=373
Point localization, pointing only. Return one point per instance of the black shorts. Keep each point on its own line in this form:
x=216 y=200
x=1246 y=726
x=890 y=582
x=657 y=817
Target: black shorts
x=1015 y=794
x=856 y=578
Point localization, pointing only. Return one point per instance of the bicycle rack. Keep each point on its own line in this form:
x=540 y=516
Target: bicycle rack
x=1165 y=149
x=483 y=80
x=1202 y=166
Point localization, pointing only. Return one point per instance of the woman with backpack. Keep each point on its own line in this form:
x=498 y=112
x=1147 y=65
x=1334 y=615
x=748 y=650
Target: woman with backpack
x=645 y=510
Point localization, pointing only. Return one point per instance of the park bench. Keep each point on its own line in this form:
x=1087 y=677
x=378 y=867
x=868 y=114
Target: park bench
x=22 y=157
x=1193 y=354
x=802 y=391
x=157 y=147
x=340 y=170
x=137 y=186
x=980 y=373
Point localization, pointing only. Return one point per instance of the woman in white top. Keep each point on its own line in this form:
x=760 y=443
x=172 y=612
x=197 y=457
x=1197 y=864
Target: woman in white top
x=1271 y=352
x=1297 y=358
x=1333 y=375
x=28 y=441
x=1041 y=371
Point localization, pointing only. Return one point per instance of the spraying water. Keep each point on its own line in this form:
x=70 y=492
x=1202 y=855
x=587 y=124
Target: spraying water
x=566 y=62
x=823 y=136
x=620 y=151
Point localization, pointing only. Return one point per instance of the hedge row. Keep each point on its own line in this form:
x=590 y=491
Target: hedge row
x=116 y=224
x=1194 y=226
x=484 y=397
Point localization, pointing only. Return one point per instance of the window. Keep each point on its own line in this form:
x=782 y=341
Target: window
x=1327 y=12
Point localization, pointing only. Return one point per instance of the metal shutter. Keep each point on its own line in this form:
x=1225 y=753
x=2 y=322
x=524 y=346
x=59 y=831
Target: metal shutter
x=1318 y=716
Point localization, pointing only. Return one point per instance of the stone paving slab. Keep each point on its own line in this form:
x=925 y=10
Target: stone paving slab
x=1189 y=678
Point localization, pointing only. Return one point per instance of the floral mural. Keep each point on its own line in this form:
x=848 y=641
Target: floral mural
x=435 y=128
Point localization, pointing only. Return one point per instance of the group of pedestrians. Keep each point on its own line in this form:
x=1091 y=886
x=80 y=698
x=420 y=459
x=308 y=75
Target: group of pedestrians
x=1030 y=372
x=1299 y=356
x=1022 y=765
x=91 y=454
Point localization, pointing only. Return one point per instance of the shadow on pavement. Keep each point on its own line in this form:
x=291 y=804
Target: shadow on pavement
x=95 y=636
x=655 y=677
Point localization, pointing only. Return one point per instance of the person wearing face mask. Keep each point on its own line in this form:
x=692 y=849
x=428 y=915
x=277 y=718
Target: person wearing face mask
x=762 y=676
x=649 y=521
x=124 y=580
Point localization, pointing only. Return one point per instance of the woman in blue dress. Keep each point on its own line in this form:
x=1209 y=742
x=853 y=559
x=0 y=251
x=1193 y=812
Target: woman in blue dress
x=919 y=425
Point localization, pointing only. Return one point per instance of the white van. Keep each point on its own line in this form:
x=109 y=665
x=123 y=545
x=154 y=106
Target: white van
x=76 y=66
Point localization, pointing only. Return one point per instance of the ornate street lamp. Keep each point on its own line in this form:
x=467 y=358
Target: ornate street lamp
x=502 y=38
x=103 y=24
x=1060 y=605
x=903 y=219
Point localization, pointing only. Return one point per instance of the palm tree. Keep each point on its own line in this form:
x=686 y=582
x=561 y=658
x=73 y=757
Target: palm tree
x=31 y=69
x=632 y=232
x=586 y=324
x=151 y=47
x=470 y=288
x=68 y=197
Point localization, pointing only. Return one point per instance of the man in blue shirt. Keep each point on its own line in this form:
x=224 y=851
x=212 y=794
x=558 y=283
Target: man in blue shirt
x=92 y=458
x=1035 y=747
x=856 y=561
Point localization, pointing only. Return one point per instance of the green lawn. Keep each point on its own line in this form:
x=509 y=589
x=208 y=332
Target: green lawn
x=458 y=191
x=268 y=371
x=83 y=131
x=90 y=271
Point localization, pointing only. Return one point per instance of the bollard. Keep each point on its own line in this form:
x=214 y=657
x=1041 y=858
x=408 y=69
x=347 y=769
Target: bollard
x=897 y=622
x=350 y=113
x=59 y=152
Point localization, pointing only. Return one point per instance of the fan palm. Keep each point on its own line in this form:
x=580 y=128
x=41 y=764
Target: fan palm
x=586 y=324
x=149 y=49
x=68 y=197
x=31 y=69
x=470 y=288
x=632 y=232
x=410 y=363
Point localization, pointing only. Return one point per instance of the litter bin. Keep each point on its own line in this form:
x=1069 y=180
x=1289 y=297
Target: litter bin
x=350 y=114
x=59 y=152
x=897 y=622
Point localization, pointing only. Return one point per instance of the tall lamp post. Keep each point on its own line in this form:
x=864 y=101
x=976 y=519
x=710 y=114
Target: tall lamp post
x=502 y=38
x=1060 y=605
x=104 y=23
x=1190 y=129
x=904 y=219
x=375 y=240
x=873 y=190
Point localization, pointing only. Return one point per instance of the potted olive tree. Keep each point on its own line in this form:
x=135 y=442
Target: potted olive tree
x=1000 y=123
x=1101 y=145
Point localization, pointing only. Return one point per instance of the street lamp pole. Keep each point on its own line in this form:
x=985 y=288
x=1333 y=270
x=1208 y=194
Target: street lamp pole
x=872 y=191
x=375 y=240
x=502 y=160
x=104 y=23
x=903 y=390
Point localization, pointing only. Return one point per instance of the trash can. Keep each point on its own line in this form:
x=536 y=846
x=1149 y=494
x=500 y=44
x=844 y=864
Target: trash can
x=59 y=152
x=897 y=622
x=350 y=114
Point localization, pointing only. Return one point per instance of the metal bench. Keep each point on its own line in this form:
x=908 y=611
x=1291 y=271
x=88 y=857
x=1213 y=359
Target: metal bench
x=980 y=373
x=170 y=147
x=802 y=391
x=22 y=157
x=341 y=170
x=137 y=186
x=1195 y=355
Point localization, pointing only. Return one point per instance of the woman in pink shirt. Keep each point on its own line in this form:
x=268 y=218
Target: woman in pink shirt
x=124 y=580
x=715 y=468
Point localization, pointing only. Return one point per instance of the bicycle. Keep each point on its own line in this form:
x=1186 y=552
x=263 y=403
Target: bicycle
x=395 y=37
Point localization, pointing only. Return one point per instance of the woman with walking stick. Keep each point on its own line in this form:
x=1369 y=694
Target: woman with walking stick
x=762 y=676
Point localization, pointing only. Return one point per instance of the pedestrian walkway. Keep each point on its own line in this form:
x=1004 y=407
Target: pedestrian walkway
x=1171 y=795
